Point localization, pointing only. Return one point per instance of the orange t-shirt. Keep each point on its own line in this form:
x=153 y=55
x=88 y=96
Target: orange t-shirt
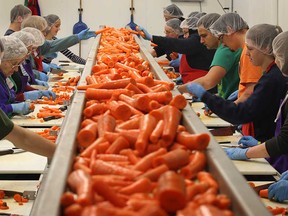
x=248 y=73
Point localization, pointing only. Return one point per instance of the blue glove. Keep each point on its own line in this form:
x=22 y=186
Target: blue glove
x=32 y=95
x=86 y=34
x=278 y=191
x=196 y=89
x=236 y=153
x=48 y=93
x=21 y=108
x=176 y=62
x=43 y=77
x=147 y=35
x=54 y=66
x=233 y=96
x=248 y=141
x=42 y=83
x=284 y=176
x=46 y=67
x=178 y=80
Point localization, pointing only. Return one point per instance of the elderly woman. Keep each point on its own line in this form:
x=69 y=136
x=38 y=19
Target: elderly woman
x=54 y=24
x=23 y=90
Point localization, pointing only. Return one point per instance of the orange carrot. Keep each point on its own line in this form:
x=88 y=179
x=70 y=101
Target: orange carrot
x=196 y=164
x=95 y=109
x=87 y=135
x=67 y=199
x=102 y=167
x=95 y=145
x=142 y=185
x=100 y=94
x=119 y=111
x=155 y=173
x=140 y=103
x=263 y=193
x=130 y=124
x=106 y=123
x=204 y=176
x=81 y=183
x=179 y=101
x=114 y=84
x=112 y=157
x=101 y=30
x=104 y=190
x=193 y=141
x=174 y=159
x=145 y=80
x=147 y=124
x=119 y=144
x=161 y=97
x=157 y=132
x=74 y=209
x=144 y=88
x=132 y=157
x=145 y=162
x=171 y=191
x=170 y=85
x=133 y=88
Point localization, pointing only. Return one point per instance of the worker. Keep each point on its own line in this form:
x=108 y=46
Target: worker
x=23 y=92
x=52 y=46
x=21 y=137
x=196 y=14
x=196 y=58
x=172 y=29
x=224 y=67
x=172 y=11
x=54 y=24
x=278 y=145
x=262 y=106
x=17 y=15
x=231 y=29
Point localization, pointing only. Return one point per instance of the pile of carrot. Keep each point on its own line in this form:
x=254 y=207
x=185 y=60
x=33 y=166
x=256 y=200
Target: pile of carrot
x=46 y=133
x=72 y=81
x=60 y=98
x=47 y=111
x=135 y=157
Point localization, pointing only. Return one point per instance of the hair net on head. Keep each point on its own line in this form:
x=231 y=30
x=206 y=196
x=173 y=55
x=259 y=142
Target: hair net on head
x=19 y=10
x=228 y=23
x=207 y=20
x=39 y=37
x=172 y=11
x=35 y=22
x=51 y=19
x=196 y=14
x=190 y=23
x=27 y=38
x=175 y=25
x=14 y=48
x=280 y=51
x=261 y=36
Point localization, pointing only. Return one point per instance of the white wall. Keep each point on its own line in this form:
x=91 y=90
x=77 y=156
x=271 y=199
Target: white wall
x=148 y=13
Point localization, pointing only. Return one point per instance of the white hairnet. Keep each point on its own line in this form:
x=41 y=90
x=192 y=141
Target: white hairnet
x=261 y=36
x=37 y=22
x=228 y=24
x=175 y=25
x=39 y=37
x=51 y=19
x=207 y=20
x=190 y=23
x=280 y=51
x=27 y=38
x=196 y=14
x=172 y=11
x=14 y=48
x=19 y=10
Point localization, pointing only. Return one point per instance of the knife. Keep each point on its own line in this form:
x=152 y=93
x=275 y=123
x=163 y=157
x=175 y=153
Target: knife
x=57 y=71
x=11 y=151
x=261 y=187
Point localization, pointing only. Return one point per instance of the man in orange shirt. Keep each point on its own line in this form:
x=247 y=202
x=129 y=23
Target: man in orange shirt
x=231 y=29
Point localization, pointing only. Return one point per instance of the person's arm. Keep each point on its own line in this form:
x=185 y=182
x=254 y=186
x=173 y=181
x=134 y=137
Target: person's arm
x=57 y=45
x=188 y=46
x=247 y=93
x=258 y=151
x=210 y=80
x=73 y=57
x=30 y=141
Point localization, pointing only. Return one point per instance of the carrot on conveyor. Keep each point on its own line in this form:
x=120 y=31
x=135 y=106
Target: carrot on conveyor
x=119 y=144
x=178 y=101
x=87 y=135
x=102 y=94
x=106 y=123
x=196 y=164
x=193 y=141
x=154 y=173
x=204 y=176
x=81 y=183
x=119 y=111
x=102 y=30
x=130 y=124
x=114 y=84
x=95 y=109
x=171 y=191
x=157 y=132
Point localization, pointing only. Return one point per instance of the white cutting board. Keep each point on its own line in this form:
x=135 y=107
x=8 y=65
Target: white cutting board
x=209 y=121
x=21 y=163
x=20 y=186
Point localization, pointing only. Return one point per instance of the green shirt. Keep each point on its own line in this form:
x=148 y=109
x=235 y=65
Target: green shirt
x=6 y=125
x=229 y=60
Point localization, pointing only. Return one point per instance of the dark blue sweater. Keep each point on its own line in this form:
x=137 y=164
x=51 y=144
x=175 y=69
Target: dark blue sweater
x=260 y=108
